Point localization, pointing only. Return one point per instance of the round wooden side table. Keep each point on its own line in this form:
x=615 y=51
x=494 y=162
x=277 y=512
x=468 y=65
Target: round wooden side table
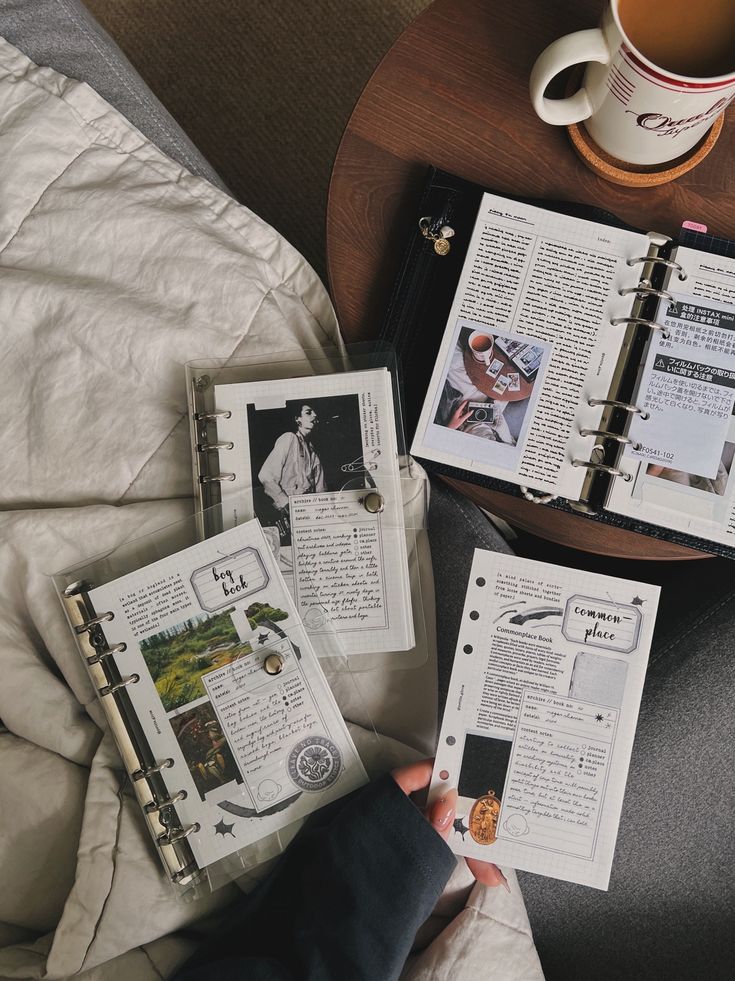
x=453 y=92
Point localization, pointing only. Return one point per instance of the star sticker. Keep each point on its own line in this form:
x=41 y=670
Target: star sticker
x=460 y=827
x=598 y=718
x=223 y=829
x=637 y=601
x=262 y=638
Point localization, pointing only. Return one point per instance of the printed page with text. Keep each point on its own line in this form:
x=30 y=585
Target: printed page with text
x=304 y=453
x=228 y=688
x=528 y=342
x=681 y=467
x=541 y=713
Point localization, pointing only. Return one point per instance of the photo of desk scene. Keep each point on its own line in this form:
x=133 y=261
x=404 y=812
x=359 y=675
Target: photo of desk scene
x=489 y=386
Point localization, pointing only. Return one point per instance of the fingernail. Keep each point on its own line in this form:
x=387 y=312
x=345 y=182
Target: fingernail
x=504 y=882
x=443 y=810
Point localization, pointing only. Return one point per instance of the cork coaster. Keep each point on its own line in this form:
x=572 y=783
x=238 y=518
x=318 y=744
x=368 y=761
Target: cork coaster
x=631 y=175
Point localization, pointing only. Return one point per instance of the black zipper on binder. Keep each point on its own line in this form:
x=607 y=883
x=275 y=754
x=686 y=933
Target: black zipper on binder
x=422 y=296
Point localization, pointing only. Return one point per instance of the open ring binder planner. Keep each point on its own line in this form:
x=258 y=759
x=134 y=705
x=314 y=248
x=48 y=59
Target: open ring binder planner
x=211 y=687
x=514 y=318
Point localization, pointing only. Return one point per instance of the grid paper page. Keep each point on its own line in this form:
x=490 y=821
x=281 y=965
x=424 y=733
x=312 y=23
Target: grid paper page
x=541 y=713
x=252 y=751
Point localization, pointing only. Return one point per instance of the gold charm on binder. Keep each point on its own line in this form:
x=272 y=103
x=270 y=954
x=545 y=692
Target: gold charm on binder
x=440 y=240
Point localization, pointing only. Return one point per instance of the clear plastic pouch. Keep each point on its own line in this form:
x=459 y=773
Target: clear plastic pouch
x=212 y=685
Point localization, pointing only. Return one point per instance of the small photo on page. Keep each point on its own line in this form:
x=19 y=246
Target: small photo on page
x=179 y=656
x=494 y=368
x=487 y=395
x=706 y=485
x=310 y=446
x=684 y=498
x=205 y=748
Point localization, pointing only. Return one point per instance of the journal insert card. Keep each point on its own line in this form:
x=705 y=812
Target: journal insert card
x=541 y=713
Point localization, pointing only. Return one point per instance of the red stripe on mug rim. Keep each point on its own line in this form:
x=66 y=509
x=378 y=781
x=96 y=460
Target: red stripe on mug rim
x=679 y=81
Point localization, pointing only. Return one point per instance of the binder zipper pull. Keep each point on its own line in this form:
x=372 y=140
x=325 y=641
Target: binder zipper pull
x=441 y=239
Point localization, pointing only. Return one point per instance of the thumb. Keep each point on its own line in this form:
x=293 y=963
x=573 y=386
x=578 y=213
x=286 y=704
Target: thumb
x=442 y=812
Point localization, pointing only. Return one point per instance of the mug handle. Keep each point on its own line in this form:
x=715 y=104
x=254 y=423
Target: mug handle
x=574 y=49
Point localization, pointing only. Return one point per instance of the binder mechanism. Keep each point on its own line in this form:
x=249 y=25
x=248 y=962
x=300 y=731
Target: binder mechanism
x=312 y=444
x=603 y=464
x=199 y=804
x=148 y=775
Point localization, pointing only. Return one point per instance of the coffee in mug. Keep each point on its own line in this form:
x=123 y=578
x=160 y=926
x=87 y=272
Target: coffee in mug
x=659 y=73
x=693 y=38
x=481 y=346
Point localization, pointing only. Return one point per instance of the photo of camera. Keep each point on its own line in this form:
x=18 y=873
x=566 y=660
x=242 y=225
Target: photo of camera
x=482 y=412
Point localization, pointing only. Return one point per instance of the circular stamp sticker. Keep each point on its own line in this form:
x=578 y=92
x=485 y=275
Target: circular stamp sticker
x=314 y=763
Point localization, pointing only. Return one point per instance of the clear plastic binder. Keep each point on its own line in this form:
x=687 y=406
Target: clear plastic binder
x=213 y=689
x=313 y=446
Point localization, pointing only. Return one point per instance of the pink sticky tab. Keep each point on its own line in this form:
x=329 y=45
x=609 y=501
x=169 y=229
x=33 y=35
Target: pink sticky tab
x=694 y=226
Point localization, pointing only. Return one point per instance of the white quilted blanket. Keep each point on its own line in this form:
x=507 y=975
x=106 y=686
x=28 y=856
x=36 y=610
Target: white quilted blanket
x=117 y=266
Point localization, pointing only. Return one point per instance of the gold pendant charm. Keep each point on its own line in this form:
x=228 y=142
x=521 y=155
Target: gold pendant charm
x=484 y=818
x=441 y=241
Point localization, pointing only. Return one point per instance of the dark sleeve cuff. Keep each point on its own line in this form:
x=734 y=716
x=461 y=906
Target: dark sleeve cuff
x=394 y=815
x=345 y=900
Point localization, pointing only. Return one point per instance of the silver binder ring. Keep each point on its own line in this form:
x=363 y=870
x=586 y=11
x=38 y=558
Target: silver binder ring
x=205 y=447
x=645 y=291
x=103 y=655
x=659 y=260
x=154 y=805
x=147 y=771
x=217 y=478
x=604 y=468
x=132 y=679
x=169 y=838
x=625 y=406
x=211 y=416
x=642 y=322
x=603 y=434
x=91 y=624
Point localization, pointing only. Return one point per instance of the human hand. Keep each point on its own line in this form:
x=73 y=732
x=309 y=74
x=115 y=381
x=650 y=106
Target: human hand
x=441 y=814
x=460 y=415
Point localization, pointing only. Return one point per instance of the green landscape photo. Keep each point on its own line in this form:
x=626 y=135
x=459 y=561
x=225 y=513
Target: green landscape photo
x=178 y=656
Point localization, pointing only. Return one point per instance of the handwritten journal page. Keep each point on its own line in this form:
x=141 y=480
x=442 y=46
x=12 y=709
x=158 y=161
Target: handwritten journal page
x=541 y=714
x=305 y=453
x=230 y=690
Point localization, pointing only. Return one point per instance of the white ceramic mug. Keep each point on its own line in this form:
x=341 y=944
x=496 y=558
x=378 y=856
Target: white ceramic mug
x=481 y=346
x=632 y=109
